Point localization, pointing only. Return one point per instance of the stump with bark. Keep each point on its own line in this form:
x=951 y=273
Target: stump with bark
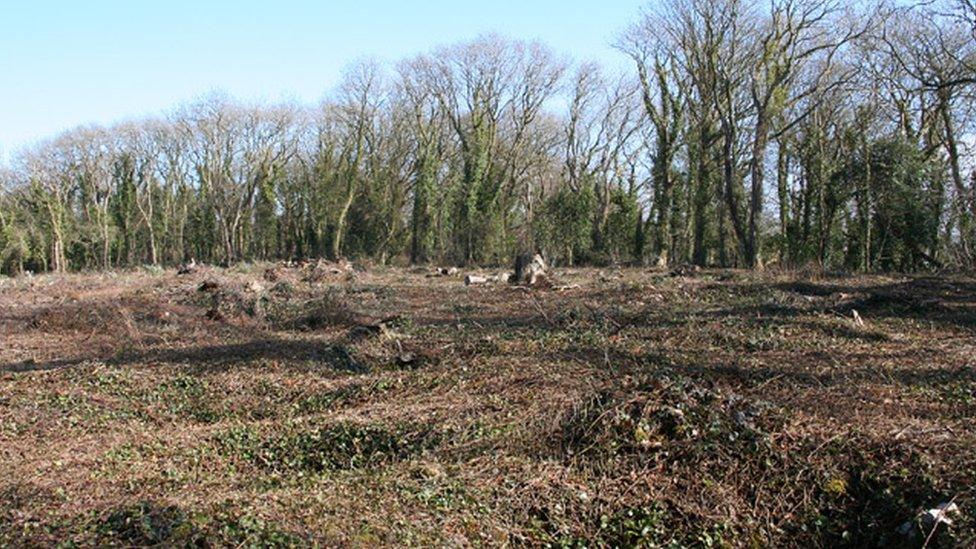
x=530 y=270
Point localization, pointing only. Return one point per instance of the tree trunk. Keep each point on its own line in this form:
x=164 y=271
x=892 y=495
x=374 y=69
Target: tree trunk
x=341 y=222
x=966 y=207
x=783 y=194
x=703 y=190
x=733 y=209
x=757 y=173
x=662 y=167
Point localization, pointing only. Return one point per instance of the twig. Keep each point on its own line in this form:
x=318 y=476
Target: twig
x=938 y=519
x=539 y=308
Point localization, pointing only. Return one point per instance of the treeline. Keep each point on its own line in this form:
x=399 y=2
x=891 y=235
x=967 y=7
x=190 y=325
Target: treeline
x=795 y=132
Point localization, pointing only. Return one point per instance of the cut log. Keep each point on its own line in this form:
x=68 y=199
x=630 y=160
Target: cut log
x=471 y=280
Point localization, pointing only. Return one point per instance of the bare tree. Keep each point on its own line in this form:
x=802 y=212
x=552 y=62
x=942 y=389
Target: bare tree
x=601 y=131
x=937 y=55
x=663 y=99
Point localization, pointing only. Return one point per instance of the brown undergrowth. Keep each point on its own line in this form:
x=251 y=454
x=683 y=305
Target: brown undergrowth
x=382 y=407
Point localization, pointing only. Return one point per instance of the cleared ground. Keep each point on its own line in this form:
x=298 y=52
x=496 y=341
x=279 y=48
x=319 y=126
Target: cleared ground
x=266 y=405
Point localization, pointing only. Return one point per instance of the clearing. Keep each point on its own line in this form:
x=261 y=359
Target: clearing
x=287 y=405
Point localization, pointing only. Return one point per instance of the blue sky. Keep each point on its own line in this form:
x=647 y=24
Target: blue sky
x=65 y=63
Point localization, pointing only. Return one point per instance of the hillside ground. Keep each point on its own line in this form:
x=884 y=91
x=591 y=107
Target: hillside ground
x=279 y=405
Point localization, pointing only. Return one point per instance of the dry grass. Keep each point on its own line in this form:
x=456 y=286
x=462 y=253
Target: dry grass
x=387 y=408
